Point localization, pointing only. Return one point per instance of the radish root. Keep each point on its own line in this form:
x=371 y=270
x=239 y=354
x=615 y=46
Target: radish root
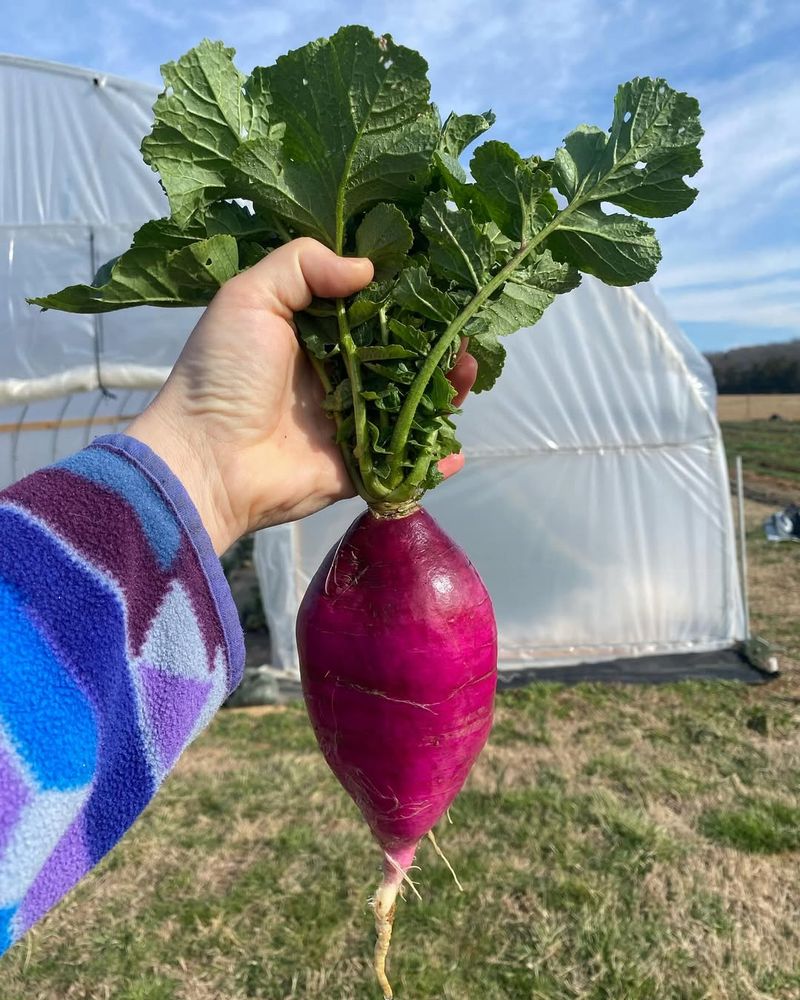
x=383 y=928
x=441 y=854
x=384 y=907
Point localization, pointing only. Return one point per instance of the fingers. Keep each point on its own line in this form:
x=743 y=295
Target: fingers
x=451 y=465
x=463 y=374
x=287 y=279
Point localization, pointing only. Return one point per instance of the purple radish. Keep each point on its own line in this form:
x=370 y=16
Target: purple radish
x=398 y=655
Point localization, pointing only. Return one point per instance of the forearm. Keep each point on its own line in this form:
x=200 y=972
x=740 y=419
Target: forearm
x=118 y=642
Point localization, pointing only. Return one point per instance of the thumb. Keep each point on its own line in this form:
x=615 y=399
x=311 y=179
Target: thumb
x=287 y=279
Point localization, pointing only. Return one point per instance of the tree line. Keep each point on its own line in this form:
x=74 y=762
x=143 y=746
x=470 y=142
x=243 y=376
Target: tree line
x=766 y=368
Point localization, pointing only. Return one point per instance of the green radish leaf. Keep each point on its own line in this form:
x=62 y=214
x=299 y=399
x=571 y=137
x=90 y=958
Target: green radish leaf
x=459 y=251
x=459 y=131
x=502 y=247
x=358 y=130
x=390 y=352
x=340 y=399
x=400 y=373
x=147 y=276
x=519 y=303
x=415 y=292
x=618 y=249
x=454 y=178
x=640 y=163
x=514 y=192
x=344 y=432
x=385 y=237
x=204 y=113
x=387 y=399
x=220 y=219
x=368 y=302
x=523 y=298
x=440 y=391
x=490 y=355
x=409 y=336
x=319 y=334
x=250 y=254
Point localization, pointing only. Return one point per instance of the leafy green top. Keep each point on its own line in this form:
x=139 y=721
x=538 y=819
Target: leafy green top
x=338 y=141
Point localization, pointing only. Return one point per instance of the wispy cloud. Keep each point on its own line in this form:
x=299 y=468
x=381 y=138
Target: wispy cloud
x=732 y=268
x=773 y=304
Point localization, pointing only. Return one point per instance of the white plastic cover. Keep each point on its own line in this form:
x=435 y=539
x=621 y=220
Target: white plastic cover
x=594 y=502
x=74 y=188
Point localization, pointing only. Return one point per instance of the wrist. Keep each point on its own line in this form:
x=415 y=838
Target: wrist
x=192 y=461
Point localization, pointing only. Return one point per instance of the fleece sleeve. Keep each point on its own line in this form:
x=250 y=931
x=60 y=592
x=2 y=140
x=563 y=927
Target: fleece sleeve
x=119 y=640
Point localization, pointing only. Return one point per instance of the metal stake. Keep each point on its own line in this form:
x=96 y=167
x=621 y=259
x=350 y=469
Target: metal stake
x=742 y=544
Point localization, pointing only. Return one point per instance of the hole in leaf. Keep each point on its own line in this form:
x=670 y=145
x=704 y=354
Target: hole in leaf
x=305 y=82
x=640 y=164
x=662 y=89
x=388 y=63
x=627 y=116
x=681 y=130
x=451 y=206
x=169 y=91
x=243 y=132
x=208 y=262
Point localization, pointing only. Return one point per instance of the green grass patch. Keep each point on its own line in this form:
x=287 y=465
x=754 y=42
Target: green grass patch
x=755 y=826
x=769 y=448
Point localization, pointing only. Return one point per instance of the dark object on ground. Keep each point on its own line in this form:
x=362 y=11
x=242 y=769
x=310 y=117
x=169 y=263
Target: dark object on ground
x=783 y=525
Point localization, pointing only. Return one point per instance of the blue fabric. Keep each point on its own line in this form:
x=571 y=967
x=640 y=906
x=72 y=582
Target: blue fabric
x=6 y=937
x=64 y=594
x=44 y=710
x=101 y=558
x=105 y=468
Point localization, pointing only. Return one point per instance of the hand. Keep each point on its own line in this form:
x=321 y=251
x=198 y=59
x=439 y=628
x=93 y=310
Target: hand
x=239 y=419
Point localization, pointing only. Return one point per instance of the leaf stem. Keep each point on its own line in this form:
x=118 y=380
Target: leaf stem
x=408 y=411
x=363 y=452
x=352 y=468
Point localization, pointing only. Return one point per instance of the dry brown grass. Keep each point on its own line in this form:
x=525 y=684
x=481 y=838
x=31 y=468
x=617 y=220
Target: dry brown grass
x=759 y=407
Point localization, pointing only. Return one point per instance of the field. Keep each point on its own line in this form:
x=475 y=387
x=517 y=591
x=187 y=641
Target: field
x=759 y=407
x=615 y=843
x=770 y=453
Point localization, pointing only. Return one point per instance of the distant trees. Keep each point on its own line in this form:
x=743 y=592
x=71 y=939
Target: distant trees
x=763 y=369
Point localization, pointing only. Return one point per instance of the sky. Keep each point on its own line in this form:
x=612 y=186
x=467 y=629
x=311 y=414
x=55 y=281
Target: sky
x=731 y=268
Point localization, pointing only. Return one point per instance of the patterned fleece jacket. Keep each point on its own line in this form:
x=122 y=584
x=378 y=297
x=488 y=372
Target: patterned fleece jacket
x=119 y=640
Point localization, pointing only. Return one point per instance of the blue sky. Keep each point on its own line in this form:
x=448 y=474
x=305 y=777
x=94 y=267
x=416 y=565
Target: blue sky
x=731 y=270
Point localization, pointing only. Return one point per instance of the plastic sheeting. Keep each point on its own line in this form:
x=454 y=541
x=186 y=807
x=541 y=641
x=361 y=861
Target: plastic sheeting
x=74 y=190
x=594 y=502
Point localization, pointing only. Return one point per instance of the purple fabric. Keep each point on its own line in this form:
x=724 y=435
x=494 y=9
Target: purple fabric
x=68 y=862
x=95 y=655
x=173 y=705
x=106 y=557
x=69 y=504
x=13 y=796
x=186 y=512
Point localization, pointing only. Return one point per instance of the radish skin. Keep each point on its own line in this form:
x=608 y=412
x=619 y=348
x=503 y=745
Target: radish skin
x=398 y=656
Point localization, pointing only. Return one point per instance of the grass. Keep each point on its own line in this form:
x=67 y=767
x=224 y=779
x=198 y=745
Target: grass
x=616 y=843
x=768 y=449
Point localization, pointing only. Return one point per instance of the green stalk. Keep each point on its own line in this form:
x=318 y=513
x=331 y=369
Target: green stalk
x=352 y=468
x=408 y=410
x=363 y=451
